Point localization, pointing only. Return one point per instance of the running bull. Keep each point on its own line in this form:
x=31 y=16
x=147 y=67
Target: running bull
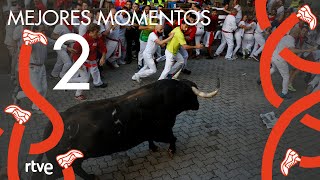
x=103 y=127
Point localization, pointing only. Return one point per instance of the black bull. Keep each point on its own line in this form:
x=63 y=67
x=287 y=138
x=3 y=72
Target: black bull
x=102 y=127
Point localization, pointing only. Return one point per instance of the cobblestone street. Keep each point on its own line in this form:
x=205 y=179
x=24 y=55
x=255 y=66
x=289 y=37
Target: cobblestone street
x=224 y=139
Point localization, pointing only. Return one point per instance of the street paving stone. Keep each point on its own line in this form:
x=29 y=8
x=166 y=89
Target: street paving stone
x=224 y=139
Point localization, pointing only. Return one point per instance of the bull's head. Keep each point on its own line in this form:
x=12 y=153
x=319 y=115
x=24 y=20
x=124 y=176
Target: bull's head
x=190 y=95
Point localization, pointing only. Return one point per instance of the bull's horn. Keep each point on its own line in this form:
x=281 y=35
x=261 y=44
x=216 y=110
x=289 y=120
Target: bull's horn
x=207 y=95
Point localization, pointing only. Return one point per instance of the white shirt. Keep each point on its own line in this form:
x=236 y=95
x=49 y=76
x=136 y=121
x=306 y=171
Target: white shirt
x=286 y=42
x=82 y=29
x=253 y=27
x=17 y=35
x=258 y=29
x=102 y=26
x=114 y=34
x=241 y=30
x=122 y=20
x=9 y=41
x=61 y=30
x=229 y=24
x=151 y=46
x=199 y=25
x=270 y=3
x=280 y=12
x=239 y=14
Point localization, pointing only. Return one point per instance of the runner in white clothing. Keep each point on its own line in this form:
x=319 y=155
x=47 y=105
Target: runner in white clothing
x=123 y=19
x=63 y=60
x=229 y=26
x=259 y=42
x=281 y=65
x=248 y=37
x=112 y=33
x=237 y=6
x=153 y=43
x=238 y=35
x=38 y=75
x=200 y=28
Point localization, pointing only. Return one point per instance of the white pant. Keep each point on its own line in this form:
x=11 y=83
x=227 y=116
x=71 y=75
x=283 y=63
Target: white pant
x=258 y=44
x=159 y=49
x=172 y=62
x=238 y=38
x=247 y=42
x=283 y=69
x=149 y=67
x=38 y=78
x=95 y=73
x=185 y=55
x=112 y=47
x=62 y=65
x=198 y=37
x=123 y=41
x=81 y=76
x=13 y=54
x=208 y=38
x=227 y=39
x=140 y=55
x=315 y=83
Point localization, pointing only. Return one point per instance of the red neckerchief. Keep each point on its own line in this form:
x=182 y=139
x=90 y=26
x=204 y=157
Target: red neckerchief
x=155 y=33
x=85 y=20
x=233 y=14
x=70 y=27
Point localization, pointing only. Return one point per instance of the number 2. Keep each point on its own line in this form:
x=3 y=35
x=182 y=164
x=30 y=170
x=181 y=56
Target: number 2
x=63 y=83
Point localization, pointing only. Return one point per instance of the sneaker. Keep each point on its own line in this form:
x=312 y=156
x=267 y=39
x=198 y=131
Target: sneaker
x=37 y=111
x=115 y=64
x=80 y=98
x=53 y=77
x=291 y=88
x=104 y=85
x=186 y=71
x=122 y=62
x=307 y=16
x=216 y=55
x=229 y=59
x=235 y=57
x=285 y=96
x=135 y=77
x=290 y=160
x=255 y=58
x=309 y=89
x=259 y=81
